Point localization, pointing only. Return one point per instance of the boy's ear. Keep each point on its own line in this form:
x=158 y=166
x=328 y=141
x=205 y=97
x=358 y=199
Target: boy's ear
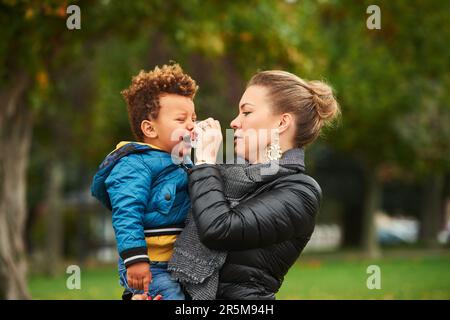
x=148 y=129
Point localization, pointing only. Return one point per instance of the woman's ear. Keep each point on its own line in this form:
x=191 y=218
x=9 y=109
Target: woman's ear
x=286 y=121
x=148 y=129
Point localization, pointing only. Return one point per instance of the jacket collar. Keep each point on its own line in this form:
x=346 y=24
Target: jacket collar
x=123 y=143
x=292 y=161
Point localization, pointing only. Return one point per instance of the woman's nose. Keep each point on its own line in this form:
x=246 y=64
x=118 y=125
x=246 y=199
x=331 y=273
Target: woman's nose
x=235 y=124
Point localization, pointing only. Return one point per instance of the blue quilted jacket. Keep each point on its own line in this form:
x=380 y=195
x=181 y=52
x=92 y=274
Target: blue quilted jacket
x=144 y=189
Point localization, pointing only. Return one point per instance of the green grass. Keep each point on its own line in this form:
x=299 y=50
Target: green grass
x=401 y=278
x=313 y=277
x=100 y=282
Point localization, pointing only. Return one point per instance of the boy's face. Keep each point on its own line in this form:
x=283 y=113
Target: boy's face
x=175 y=120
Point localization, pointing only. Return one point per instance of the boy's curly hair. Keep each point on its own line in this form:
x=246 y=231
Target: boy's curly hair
x=142 y=97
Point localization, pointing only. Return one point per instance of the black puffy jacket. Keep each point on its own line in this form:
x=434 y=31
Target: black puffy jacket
x=264 y=234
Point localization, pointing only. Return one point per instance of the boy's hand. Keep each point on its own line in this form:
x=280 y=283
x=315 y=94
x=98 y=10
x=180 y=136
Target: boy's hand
x=139 y=276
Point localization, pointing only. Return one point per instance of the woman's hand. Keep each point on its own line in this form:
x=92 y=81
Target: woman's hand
x=208 y=141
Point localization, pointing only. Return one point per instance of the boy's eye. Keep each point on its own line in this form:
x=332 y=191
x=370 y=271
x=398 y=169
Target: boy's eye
x=246 y=113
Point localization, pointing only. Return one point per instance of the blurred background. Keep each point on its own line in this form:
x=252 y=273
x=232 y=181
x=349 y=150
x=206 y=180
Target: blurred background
x=384 y=168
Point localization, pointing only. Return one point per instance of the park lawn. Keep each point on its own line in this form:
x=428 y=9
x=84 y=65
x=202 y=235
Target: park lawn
x=401 y=278
x=426 y=277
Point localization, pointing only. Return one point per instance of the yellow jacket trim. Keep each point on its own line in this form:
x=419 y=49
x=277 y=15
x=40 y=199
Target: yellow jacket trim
x=160 y=248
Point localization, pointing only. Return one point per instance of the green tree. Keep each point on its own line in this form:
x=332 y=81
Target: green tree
x=382 y=77
x=36 y=48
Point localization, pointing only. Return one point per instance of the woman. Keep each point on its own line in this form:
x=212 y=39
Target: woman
x=257 y=226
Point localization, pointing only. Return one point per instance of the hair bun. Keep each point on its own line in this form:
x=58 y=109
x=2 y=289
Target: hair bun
x=312 y=103
x=323 y=100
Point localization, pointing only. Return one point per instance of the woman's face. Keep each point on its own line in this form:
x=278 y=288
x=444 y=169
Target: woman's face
x=254 y=124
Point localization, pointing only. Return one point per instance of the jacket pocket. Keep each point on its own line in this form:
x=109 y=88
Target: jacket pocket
x=165 y=198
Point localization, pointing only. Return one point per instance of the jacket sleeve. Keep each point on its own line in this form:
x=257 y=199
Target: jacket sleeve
x=128 y=188
x=286 y=211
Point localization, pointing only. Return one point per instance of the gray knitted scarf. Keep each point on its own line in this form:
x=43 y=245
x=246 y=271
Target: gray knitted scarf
x=194 y=265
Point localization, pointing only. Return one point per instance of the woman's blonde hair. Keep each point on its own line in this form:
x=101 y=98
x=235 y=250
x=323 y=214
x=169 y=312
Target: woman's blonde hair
x=311 y=102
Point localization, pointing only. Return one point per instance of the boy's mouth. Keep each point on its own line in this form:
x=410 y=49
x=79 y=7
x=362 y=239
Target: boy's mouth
x=187 y=139
x=186 y=145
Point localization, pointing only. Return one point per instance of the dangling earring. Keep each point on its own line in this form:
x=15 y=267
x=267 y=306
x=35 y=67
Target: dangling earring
x=273 y=151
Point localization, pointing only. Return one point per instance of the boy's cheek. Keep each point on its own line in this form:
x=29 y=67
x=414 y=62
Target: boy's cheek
x=186 y=149
x=180 y=148
x=173 y=139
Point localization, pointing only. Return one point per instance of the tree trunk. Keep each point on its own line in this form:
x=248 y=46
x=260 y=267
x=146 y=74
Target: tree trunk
x=432 y=210
x=15 y=138
x=372 y=204
x=352 y=221
x=53 y=223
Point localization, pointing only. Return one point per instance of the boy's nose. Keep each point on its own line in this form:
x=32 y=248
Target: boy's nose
x=190 y=126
